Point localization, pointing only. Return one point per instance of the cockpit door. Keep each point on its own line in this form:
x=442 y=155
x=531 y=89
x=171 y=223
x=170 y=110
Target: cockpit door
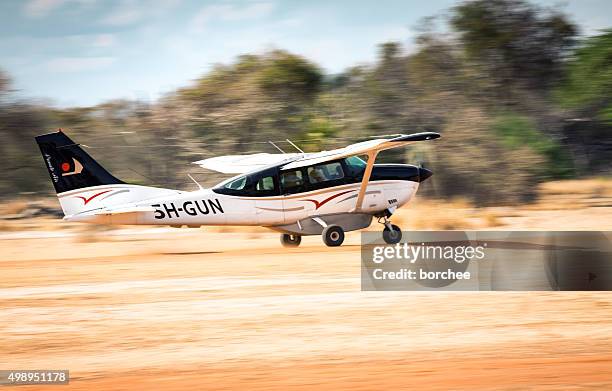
x=268 y=205
x=292 y=184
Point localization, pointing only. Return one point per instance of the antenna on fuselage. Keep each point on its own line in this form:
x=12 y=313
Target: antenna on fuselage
x=194 y=181
x=277 y=147
x=294 y=146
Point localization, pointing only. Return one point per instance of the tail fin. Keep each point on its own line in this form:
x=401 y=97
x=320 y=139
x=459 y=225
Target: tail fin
x=69 y=166
x=83 y=185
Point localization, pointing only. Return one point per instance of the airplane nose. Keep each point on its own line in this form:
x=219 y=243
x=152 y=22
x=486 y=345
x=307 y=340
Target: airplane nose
x=424 y=174
x=402 y=172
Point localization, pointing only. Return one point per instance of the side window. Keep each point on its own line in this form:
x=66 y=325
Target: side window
x=355 y=166
x=262 y=184
x=325 y=172
x=292 y=181
x=265 y=184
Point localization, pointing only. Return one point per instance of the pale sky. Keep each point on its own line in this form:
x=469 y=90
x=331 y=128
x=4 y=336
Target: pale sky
x=84 y=52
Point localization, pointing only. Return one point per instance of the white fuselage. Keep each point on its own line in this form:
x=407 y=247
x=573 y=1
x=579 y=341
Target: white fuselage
x=146 y=205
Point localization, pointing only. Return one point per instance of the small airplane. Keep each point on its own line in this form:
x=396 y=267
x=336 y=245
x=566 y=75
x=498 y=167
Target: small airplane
x=326 y=193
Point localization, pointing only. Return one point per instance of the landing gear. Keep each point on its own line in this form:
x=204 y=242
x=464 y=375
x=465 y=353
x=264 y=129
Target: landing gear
x=290 y=240
x=392 y=233
x=333 y=235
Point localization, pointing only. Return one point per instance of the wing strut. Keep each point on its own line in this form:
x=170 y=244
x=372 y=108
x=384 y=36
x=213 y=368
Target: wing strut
x=366 y=179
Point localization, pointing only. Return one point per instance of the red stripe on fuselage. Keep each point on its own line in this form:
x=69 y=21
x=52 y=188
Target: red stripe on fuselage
x=321 y=203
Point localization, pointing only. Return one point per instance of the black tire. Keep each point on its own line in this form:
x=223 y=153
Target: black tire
x=333 y=235
x=290 y=240
x=392 y=237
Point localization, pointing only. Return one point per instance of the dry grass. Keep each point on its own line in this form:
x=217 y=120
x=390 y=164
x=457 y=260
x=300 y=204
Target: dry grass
x=573 y=194
x=14 y=208
x=596 y=187
x=457 y=214
x=491 y=218
x=433 y=215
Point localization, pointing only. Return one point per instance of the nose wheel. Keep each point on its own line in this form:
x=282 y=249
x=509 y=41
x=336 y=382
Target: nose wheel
x=392 y=234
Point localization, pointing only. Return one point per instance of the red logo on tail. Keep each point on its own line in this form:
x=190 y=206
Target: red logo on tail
x=78 y=167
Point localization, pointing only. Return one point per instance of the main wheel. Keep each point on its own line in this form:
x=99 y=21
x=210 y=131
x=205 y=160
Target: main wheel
x=290 y=240
x=392 y=236
x=333 y=235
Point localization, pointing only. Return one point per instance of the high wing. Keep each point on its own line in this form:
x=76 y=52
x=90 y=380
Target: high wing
x=240 y=164
x=370 y=148
x=362 y=148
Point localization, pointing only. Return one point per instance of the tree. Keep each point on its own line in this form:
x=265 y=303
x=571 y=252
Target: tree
x=290 y=76
x=470 y=163
x=519 y=41
x=588 y=87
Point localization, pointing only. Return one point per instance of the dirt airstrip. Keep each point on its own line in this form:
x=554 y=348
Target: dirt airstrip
x=186 y=309
x=176 y=309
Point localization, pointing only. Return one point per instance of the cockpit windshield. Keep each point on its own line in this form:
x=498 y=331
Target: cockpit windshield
x=236 y=184
x=258 y=184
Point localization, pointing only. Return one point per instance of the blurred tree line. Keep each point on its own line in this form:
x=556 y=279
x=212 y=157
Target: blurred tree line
x=519 y=97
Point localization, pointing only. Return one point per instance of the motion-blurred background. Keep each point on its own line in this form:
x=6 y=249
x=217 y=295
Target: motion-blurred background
x=520 y=90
